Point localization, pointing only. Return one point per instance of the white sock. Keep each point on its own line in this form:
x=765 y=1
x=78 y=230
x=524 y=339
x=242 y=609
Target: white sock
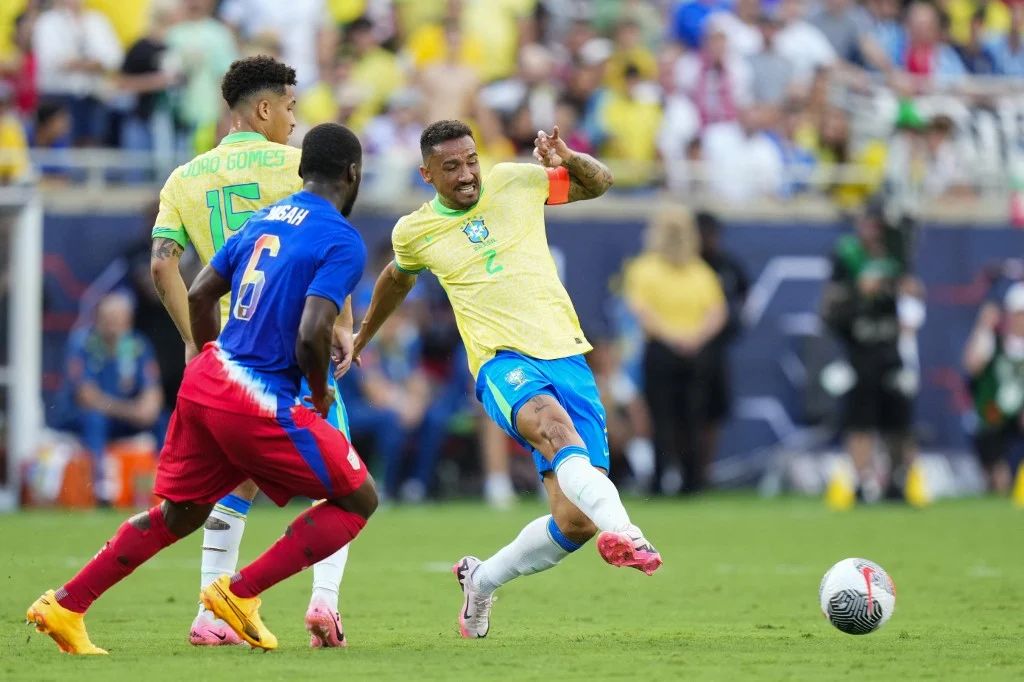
x=222 y=536
x=538 y=547
x=327 y=575
x=590 y=490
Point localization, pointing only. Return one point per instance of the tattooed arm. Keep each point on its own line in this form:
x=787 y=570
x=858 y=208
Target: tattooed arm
x=170 y=287
x=588 y=177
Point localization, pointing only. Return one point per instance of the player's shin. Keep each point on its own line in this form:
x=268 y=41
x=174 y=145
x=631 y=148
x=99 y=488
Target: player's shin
x=327 y=575
x=136 y=541
x=590 y=490
x=222 y=537
x=316 y=534
x=538 y=547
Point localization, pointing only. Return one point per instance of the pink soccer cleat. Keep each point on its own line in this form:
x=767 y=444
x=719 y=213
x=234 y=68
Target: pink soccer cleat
x=630 y=548
x=208 y=630
x=324 y=626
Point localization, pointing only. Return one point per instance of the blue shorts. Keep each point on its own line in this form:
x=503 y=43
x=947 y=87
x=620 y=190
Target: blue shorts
x=338 y=418
x=508 y=380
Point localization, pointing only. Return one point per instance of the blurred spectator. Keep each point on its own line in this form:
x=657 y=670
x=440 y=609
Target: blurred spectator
x=205 y=48
x=531 y=86
x=567 y=120
x=844 y=27
x=995 y=18
x=732 y=277
x=860 y=307
x=885 y=32
x=450 y=84
x=128 y=19
x=148 y=73
x=630 y=53
x=20 y=67
x=690 y=20
x=772 y=73
x=500 y=25
x=632 y=118
x=925 y=58
x=305 y=28
x=679 y=303
x=994 y=362
x=744 y=27
x=75 y=49
x=742 y=160
x=835 y=151
x=718 y=83
x=14 y=163
x=113 y=384
x=51 y=131
x=628 y=421
x=797 y=161
x=924 y=161
x=608 y=14
x=802 y=43
x=974 y=53
x=375 y=72
x=1008 y=50
x=431 y=42
x=586 y=90
x=396 y=133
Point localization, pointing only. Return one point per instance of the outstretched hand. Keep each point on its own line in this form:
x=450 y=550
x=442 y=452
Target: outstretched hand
x=323 y=403
x=551 y=150
x=341 y=351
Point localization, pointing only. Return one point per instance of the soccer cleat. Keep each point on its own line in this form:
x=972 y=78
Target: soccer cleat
x=241 y=614
x=475 y=616
x=630 y=548
x=64 y=627
x=208 y=630
x=324 y=626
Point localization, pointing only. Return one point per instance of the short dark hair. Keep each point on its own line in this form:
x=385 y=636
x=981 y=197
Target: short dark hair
x=327 y=151
x=251 y=75
x=440 y=132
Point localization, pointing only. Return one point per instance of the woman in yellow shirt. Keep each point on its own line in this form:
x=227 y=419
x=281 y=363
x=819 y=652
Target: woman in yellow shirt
x=679 y=303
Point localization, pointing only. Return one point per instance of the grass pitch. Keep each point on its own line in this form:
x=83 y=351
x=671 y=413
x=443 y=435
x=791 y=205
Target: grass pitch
x=736 y=599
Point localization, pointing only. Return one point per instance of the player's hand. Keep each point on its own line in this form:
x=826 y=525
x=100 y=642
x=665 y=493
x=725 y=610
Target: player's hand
x=358 y=344
x=322 y=403
x=341 y=351
x=190 y=352
x=551 y=150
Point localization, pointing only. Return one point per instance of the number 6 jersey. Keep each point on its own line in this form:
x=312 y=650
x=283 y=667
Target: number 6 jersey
x=210 y=198
x=494 y=262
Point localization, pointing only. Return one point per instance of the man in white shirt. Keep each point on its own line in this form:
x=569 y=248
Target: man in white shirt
x=741 y=161
x=75 y=49
x=305 y=28
x=802 y=43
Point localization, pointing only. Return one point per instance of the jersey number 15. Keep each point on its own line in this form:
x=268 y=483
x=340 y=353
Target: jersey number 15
x=254 y=279
x=224 y=219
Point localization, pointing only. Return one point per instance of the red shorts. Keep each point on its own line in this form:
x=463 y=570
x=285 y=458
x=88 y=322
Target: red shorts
x=209 y=452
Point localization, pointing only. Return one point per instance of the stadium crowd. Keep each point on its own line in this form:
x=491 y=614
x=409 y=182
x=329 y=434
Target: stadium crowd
x=775 y=96
x=736 y=100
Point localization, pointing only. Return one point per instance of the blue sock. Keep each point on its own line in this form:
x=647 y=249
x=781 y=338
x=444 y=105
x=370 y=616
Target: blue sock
x=559 y=537
x=234 y=506
x=567 y=452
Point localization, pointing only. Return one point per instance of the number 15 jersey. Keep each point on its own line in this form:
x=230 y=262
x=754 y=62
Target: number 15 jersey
x=494 y=262
x=209 y=199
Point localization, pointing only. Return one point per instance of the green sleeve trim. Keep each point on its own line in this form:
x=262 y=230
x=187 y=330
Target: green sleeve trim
x=408 y=271
x=174 y=234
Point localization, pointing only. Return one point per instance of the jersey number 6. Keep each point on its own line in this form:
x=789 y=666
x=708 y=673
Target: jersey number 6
x=222 y=210
x=253 y=279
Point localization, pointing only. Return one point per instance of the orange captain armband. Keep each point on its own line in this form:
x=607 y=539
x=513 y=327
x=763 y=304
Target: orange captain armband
x=558 y=186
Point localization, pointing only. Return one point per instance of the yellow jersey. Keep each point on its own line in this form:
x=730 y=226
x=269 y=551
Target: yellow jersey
x=209 y=199
x=494 y=262
x=679 y=296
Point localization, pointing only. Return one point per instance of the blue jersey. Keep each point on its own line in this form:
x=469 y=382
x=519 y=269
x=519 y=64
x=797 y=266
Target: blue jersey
x=298 y=247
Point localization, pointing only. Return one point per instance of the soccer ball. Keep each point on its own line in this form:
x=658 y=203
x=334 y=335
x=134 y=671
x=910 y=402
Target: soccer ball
x=857 y=596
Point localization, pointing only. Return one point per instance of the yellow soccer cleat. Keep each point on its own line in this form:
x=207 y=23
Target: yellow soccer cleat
x=65 y=627
x=242 y=615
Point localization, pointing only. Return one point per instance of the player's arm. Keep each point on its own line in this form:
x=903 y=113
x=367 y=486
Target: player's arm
x=313 y=348
x=587 y=177
x=342 y=342
x=169 y=241
x=204 y=305
x=393 y=285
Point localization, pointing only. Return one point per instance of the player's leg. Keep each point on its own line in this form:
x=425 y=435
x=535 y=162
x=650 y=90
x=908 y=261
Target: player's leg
x=222 y=538
x=299 y=454
x=191 y=474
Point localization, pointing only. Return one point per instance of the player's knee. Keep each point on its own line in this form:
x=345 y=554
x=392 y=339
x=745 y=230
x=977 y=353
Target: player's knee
x=553 y=429
x=184 y=518
x=574 y=524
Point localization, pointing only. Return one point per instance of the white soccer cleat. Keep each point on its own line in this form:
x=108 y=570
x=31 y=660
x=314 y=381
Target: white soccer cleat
x=208 y=630
x=629 y=548
x=475 y=617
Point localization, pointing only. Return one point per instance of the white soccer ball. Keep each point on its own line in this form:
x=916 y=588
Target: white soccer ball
x=857 y=596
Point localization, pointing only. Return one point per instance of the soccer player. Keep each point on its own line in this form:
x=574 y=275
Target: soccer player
x=207 y=201
x=485 y=241
x=239 y=415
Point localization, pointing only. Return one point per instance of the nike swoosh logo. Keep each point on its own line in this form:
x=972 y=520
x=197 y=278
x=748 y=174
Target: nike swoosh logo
x=219 y=636
x=249 y=628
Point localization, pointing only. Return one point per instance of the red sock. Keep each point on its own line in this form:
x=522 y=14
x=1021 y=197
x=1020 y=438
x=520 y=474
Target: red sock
x=316 y=534
x=126 y=551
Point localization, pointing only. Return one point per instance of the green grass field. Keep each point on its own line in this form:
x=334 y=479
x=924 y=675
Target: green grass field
x=736 y=600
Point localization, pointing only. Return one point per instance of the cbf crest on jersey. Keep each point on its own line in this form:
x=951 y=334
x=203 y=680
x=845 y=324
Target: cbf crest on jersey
x=476 y=231
x=516 y=378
